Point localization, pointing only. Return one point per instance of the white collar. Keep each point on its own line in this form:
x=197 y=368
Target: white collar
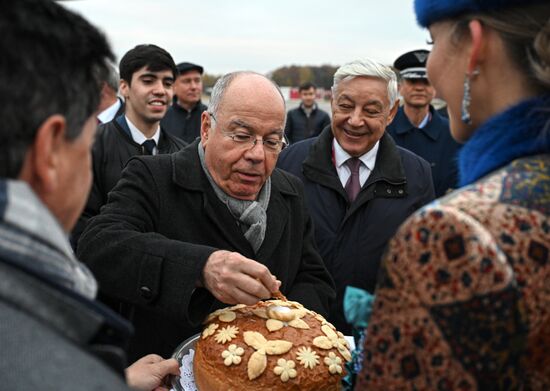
x=138 y=136
x=341 y=156
x=425 y=120
x=109 y=113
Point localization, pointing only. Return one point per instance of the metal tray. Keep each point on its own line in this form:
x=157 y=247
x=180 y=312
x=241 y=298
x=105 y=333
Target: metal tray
x=181 y=351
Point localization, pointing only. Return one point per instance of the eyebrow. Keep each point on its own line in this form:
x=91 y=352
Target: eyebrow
x=250 y=128
x=154 y=76
x=371 y=102
x=374 y=102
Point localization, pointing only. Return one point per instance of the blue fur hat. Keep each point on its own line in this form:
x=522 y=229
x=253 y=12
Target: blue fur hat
x=430 y=11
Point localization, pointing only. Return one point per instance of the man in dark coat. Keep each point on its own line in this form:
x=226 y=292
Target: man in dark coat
x=357 y=207
x=419 y=127
x=211 y=225
x=147 y=74
x=183 y=118
x=307 y=120
x=53 y=334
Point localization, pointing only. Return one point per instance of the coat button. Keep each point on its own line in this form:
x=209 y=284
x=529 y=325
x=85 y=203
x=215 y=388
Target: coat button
x=388 y=191
x=400 y=191
x=146 y=292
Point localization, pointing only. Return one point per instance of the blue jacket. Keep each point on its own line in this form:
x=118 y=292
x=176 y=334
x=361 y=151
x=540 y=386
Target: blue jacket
x=433 y=143
x=351 y=237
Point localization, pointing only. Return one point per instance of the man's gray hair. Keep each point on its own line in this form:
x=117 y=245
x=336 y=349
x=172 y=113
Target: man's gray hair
x=218 y=91
x=368 y=68
x=113 y=79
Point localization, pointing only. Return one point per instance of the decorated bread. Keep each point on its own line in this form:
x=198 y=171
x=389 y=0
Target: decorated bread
x=272 y=345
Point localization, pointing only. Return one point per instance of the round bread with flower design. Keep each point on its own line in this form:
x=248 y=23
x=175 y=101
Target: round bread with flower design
x=272 y=345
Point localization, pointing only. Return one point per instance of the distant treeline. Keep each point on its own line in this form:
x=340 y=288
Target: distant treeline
x=292 y=76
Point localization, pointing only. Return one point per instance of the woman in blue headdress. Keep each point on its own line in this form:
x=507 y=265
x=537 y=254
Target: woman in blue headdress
x=463 y=301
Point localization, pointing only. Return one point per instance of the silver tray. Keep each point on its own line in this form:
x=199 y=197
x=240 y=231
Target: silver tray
x=182 y=350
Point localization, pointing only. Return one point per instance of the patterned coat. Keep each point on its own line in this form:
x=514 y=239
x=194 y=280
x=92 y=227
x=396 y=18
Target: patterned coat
x=463 y=302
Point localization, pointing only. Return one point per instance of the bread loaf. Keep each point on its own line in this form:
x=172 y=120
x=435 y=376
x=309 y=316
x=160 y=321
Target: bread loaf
x=272 y=345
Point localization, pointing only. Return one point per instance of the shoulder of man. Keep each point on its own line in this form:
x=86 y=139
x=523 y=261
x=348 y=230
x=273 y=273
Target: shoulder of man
x=409 y=157
x=291 y=158
x=173 y=143
x=286 y=183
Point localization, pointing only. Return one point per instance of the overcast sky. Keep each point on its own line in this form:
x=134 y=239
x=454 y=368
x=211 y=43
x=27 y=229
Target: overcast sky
x=259 y=35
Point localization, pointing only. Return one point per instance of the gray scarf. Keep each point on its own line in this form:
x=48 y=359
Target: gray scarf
x=251 y=215
x=31 y=236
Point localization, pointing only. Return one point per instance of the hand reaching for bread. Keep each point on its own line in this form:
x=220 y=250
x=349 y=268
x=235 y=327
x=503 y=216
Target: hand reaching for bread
x=235 y=279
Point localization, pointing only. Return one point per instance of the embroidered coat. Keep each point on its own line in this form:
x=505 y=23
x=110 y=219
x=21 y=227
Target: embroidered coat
x=463 y=302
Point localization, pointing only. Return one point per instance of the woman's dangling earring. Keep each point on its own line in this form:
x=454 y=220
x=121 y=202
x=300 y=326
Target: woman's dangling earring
x=467 y=98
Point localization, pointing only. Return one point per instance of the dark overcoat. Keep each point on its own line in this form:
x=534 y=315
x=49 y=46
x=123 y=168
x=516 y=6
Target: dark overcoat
x=352 y=236
x=434 y=143
x=299 y=126
x=113 y=147
x=149 y=245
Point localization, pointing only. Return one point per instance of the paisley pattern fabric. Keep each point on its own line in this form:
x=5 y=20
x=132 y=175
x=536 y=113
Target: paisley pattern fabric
x=463 y=299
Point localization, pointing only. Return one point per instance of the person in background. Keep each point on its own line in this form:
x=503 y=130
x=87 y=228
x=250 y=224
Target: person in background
x=420 y=128
x=211 y=225
x=307 y=120
x=53 y=334
x=147 y=76
x=183 y=118
x=110 y=105
x=463 y=302
x=359 y=185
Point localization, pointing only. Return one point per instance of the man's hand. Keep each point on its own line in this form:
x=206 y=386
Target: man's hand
x=151 y=373
x=235 y=279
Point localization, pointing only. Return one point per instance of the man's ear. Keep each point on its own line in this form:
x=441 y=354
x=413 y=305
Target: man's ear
x=206 y=127
x=124 y=88
x=41 y=166
x=393 y=112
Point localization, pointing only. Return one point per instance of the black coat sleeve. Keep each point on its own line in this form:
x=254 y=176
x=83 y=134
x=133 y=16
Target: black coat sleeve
x=135 y=264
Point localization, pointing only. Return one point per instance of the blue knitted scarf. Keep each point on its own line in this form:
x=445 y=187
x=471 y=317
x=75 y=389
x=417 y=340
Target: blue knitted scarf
x=523 y=130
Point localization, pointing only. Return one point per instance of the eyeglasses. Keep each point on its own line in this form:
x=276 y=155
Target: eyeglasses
x=248 y=141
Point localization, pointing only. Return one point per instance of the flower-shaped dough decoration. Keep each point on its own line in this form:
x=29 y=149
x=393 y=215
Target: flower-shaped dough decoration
x=332 y=340
x=207 y=332
x=232 y=355
x=282 y=315
x=258 y=360
x=285 y=369
x=334 y=363
x=307 y=357
x=226 y=334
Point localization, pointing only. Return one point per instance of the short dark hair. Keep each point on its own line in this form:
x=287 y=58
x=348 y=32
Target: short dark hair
x=151 y=56
x=53 y=62
x=306 y=86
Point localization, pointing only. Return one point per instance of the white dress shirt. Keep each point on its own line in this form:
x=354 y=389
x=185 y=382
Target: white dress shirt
x=367 y=160
x=139 y=138
x=108 y=114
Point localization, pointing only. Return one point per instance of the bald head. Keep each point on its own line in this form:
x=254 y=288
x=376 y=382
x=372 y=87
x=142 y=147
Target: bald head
x=250 y=84
x=246 y=108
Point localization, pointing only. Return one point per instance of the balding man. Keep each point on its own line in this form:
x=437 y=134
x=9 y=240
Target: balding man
x=215 y=223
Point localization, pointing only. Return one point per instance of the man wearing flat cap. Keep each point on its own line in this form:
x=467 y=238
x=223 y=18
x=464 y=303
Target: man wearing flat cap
x=183 y=118
x=418 y=127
